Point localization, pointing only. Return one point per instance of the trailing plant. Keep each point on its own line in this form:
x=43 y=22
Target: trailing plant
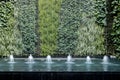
x=10 y=39
x=27 y=22
x=48 y=22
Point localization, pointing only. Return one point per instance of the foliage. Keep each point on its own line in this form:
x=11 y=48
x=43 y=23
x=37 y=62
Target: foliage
x=69 y=23
x=26 y=22
x=48 y=21
x=6 y=12
x=78 y=33
x=100 y=12
x=10 y=39
x=66 y=26
x=116 y=26
x=90 y=35
x=90 y=40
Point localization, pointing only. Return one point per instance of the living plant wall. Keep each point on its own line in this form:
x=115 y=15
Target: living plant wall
x=90 y=35
x=76 y=27
x=69 y=22
x=49 y=12
x=10 y=38
x=116 y=26
x=108 y=12
x=78 y=32
x=26 y=23
x=100 y=12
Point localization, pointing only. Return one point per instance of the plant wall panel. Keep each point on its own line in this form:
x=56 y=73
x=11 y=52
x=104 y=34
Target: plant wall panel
x=78 y=34
x=116 y=27
x=77 y=27
x=26 y=23
x=49 y=22
x=10 y=38
x=69 y=23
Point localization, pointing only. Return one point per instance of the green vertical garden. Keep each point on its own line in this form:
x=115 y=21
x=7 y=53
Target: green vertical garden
x=78 y=32
x=10 y=38
x=59 y=27
x=116 y=27
x=90 y=35
x=69 y=23
x=49 y=22
x=26 y=24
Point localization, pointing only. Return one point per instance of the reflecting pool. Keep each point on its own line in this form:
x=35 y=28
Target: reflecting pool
x=60 y=65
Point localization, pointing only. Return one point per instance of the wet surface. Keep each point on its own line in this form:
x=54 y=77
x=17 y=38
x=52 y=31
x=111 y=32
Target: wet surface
x=60 y=65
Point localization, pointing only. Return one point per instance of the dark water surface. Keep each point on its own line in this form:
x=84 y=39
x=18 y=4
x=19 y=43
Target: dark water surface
x=60 y=66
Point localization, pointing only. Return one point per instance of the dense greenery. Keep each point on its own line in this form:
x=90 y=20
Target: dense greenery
x=90 y=40
x=105 y=19
x=108 y=15
x=48 y=21
x=116 y=25
x=69 y=23
x=78 y=33
x=100 y=12
x=26 y=22
x=90 y=35
x=10 y=39
x=77 y=27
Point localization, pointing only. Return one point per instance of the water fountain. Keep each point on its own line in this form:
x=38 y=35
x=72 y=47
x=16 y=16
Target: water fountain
x=64 y=64
x=11 y=59
x=88 y=60
x=105 y=60
x=69 y=59
x=49 y=59
x=30 y=59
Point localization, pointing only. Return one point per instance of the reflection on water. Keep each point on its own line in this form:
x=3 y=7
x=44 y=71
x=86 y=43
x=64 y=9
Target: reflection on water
x=11 y=67
x=105 y=67
x=30 y=67
x=48 y=67
x=77 y=65
x=88 y=67
x=69 y=67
